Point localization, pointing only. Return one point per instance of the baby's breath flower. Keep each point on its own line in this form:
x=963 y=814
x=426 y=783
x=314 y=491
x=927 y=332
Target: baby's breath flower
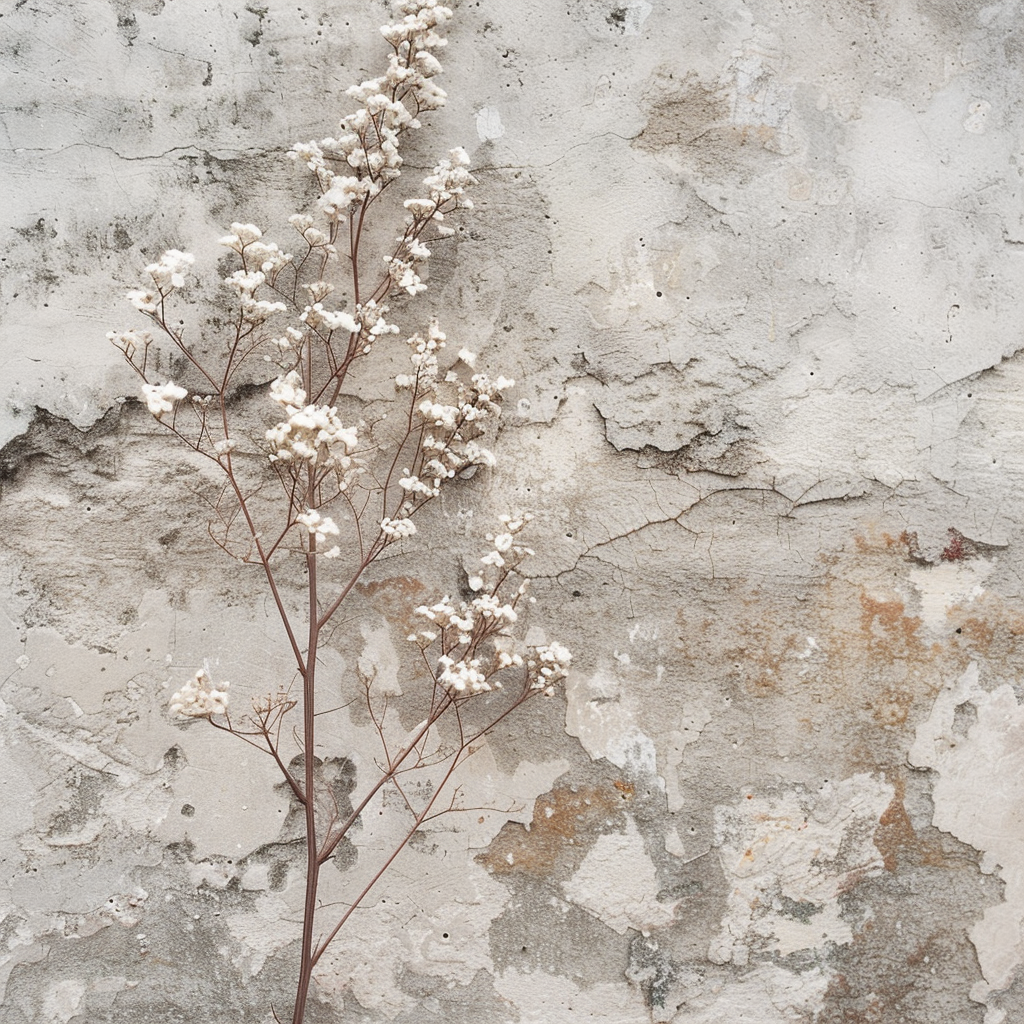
x=397 y=529
x=129 y=341
x=144 y=300
x=311 y=433
x=320 y=527
x=160 y=398
x=548 y=666
x=168 y=272
x=199 y=698
x=241 y=236
x=460 y=676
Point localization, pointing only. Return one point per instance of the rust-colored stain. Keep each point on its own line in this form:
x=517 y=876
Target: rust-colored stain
x=888 y=630
x=394 y=588
x=895 y=837
x=395 y=599
x=990 y=628
x=895 y=831
x=565 y=823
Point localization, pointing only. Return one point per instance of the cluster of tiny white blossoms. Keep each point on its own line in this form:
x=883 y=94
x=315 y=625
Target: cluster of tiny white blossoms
x=160 y=398
x=320 y=527
x=446 y=187
x=366 y=152
x=311 y=434
x=449 y=445
x=167 y=275
x=130 y=340
x=397 y=529
x=486 y=621
x=199 y=698
x=261 y=262
x=548 y=666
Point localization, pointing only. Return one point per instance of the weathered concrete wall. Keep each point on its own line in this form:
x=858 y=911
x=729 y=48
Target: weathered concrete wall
x=757 y=268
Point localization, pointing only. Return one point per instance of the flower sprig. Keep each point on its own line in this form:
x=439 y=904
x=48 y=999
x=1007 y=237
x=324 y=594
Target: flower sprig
x=475 y=640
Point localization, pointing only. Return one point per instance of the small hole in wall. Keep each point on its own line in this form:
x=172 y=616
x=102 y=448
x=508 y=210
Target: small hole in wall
x=444 y=935
x=959 y=630
x=658 y=294
x=187 y=810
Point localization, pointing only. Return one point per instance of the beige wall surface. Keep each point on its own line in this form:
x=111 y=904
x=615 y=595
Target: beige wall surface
x=757 y=271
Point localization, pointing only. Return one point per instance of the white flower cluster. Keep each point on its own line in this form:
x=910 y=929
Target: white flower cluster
x=160 y=398
x=464 y=627
x=129 y=341
x=320 y=527
x=292 y=336
x=367 y=149
x=397 y=529
x=199 y=698
x=327 y=321
x=268 y=257
x=245 y=240
x=450 y=444
x=167 y=274
x=460 y=676
x=548 y=666
x=446 y=187
x=314 y=237
x=311 y=433
x=373 y=319
x=402 y=266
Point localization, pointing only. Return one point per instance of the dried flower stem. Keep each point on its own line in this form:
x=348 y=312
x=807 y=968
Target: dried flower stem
x=346 y=493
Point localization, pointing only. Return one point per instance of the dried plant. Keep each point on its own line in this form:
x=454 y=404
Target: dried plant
x=316 y=497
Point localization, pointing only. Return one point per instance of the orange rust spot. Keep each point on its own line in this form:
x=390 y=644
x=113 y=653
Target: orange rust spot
x=905 y=543
x=625 y=788
x=895 y=837
x=393 y=588
x=564 y=822
x=888 y=629
x=894 y=832
x=395 y=598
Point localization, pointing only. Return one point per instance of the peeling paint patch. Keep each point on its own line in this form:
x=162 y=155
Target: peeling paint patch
x=564 y=822
x=543 y=998
x=947 y=584
x=605 y=723
x=63 y=999
x=448 y=940
x=979 y=756
x=488 y=124
x=789 y=858
x=767 y=995
x=618 y=883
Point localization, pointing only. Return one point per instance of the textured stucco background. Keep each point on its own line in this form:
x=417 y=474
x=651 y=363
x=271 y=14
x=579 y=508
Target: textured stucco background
x=758 y=269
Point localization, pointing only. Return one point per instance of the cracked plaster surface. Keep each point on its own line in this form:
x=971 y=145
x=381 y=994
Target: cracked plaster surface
x=757 y=272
